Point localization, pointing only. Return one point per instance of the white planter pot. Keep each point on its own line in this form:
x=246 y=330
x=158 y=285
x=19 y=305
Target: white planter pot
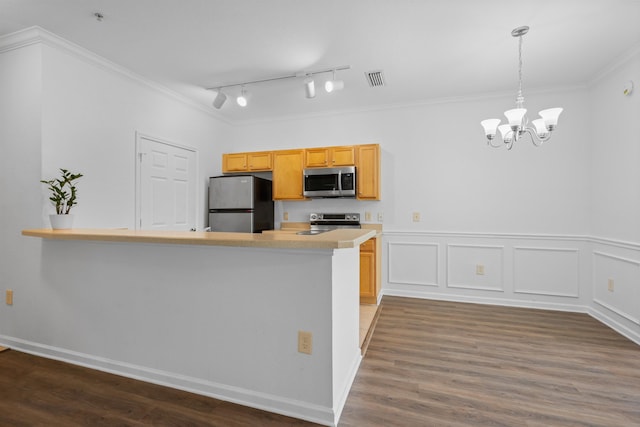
x=61 y=222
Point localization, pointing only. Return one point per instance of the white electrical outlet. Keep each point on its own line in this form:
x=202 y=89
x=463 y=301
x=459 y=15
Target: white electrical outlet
x=367 y=216
x=480 y=270
x=380 y=216
x=610 y=285
x=416 y=217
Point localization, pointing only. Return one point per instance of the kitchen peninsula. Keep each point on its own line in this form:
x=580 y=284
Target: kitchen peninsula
x=213 y=313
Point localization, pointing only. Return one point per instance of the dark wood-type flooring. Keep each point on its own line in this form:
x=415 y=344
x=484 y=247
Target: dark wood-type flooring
x=429 y=363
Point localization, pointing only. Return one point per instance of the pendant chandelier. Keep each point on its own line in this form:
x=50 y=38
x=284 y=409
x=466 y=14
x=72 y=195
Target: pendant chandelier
x=518 y=123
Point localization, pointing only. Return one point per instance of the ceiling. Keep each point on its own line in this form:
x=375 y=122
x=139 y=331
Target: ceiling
x=427 y=49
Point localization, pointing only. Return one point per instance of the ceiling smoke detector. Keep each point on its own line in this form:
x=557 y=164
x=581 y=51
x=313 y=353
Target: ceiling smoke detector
x=375 y=78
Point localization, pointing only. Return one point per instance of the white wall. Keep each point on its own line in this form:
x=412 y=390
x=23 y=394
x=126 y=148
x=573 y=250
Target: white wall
x=435 y=161
x=20 y=204
x=64 y=107
x=615 y=148
x=615 y=203
x=91 y=114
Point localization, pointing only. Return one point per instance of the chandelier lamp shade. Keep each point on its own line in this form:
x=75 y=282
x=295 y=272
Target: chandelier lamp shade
x=309 y=85
x=518 y=126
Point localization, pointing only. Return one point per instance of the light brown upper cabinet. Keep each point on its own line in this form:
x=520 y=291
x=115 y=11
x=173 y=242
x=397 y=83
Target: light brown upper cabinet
x=236 y=162
x=324 y=157
x=287 y=174
x=247 y=162
x=288 y=165
x=368 y=170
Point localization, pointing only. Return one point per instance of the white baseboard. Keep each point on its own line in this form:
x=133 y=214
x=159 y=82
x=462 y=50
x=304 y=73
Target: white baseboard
x=289 y=407
x=342 y=400
x=613 y=324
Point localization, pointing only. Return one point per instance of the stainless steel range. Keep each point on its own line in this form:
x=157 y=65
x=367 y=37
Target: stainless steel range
x=323 y=222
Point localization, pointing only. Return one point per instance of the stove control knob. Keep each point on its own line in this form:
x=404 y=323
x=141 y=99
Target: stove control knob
x=313 y=217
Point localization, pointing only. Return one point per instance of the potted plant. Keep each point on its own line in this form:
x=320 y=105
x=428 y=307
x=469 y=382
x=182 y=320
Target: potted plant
x=64 y=196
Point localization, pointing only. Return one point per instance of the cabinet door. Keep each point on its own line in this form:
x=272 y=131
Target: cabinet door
x=369 y=271
x=316 y=158
x=235 y=162
x=343 y=156
x=367 y=276
x=260 y=161
x=368 y=169
x=287 y=174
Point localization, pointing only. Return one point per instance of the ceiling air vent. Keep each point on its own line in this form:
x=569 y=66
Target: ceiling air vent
x=375 y=78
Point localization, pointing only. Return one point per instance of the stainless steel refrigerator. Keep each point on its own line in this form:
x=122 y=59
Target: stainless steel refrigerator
x=240 y=203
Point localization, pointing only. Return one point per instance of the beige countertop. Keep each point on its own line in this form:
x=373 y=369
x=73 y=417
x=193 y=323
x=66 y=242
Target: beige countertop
x=335 y=239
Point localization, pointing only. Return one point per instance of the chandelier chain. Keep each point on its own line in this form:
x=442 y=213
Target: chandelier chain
x=520 y=98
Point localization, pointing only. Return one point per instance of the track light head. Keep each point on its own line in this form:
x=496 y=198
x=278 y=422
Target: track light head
x=243 y=98
x=310 y=88
x=219 y=100
x=333 y=84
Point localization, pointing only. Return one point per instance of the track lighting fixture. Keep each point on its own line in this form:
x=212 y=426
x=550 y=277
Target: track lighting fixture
x=309 y=85
x=242 y=98
x=333 y=84
x=310 y=88
x=220 y=99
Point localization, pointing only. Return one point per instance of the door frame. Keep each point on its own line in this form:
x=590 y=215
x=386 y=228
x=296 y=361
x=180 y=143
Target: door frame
x=138 y=181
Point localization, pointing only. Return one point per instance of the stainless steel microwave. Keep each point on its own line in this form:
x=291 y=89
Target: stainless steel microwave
x=330 y=182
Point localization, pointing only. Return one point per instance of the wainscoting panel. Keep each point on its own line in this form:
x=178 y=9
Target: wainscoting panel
x=413 y=263
x=546 y=271
x=616 y=284
x=475 y=267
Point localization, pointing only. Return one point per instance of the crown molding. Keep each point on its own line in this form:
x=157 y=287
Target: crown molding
x=19 y=39
x=616 y=64
x=37 y=35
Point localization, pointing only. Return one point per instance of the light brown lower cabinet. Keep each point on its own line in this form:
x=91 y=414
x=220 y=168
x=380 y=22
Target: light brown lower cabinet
x=369 y=271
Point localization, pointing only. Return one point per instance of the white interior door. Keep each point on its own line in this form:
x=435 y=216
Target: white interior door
x=166 y=185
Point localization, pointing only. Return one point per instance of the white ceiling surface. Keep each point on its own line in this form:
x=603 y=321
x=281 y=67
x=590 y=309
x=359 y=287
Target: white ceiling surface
x=428 y=50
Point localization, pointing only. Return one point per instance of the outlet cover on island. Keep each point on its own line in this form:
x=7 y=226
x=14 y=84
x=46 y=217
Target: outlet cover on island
x=305 y=342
